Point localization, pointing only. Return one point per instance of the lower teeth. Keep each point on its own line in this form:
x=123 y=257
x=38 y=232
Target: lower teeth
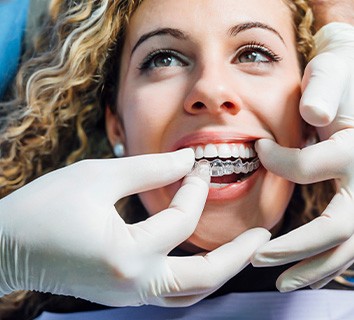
x=218 y=185
x=219 y=168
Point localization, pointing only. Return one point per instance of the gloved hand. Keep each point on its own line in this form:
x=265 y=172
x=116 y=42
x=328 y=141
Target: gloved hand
x=62 y=234
x=327 y=243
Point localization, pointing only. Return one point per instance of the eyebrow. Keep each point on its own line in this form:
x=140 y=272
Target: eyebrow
x=233 y=31
x=178 y=34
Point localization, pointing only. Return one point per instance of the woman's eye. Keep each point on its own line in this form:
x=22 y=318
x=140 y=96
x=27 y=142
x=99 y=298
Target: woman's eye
x=252 y=56
x=162 y=60
x=256 y=53
x=166 y=60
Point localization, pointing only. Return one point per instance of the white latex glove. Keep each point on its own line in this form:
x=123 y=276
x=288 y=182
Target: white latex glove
x=326 y=244
x=62 y=234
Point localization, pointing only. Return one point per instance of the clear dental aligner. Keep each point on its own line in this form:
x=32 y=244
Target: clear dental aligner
x=219 y=168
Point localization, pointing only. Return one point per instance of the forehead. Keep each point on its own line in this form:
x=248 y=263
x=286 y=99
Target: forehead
x=209 y=15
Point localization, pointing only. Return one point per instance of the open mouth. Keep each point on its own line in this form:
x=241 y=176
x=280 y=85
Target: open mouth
x=229 y=162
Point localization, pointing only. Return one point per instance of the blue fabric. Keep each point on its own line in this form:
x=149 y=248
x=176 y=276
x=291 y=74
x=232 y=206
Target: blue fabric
x=298 y=305
x=13 y=18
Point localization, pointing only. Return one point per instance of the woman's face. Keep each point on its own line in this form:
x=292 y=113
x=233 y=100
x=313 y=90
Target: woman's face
x=215 y=76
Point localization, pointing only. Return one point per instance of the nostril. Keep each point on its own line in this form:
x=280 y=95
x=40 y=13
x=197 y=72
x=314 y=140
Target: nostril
x=214 y=107
x=229 y=105
x=198 y=105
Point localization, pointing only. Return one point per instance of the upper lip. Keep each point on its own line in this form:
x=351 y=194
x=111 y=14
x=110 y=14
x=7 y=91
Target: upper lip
x=203 y=138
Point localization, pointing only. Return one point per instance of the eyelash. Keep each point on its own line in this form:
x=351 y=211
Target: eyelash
x=260 y=48
x=152 y=55
x=255 y=46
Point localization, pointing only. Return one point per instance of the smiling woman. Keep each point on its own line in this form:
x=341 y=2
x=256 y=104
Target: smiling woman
x=214 y=76
x=190 y=79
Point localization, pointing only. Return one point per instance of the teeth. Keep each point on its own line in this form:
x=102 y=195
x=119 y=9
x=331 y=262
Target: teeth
x=210 y=151
x=242 y=150
x=224 y=151
x=199 y=152
x=234 y=151
x=218 y=185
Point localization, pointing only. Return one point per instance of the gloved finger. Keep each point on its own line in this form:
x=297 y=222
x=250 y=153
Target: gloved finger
x=321 y=283
x=319 y=107
x=164 y=231
x=318 y=267
x=311 y=164
x=173 y=302
x=184 y=301
x=126 y=176
x=333 y=227
x=218 y=267
x=205 y=274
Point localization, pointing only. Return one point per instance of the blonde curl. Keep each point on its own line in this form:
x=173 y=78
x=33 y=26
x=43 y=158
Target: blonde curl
x=48 y=124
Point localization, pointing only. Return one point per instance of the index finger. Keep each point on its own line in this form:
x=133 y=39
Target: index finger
x=165 y=230
x=323 y=85
x=334 y=226
x=125 y=176
x=204 y=274
x=311 y=164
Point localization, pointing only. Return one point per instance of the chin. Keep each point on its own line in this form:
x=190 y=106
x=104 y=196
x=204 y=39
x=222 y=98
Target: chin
x=214 y=235
x=259 y=201
x=263 y=207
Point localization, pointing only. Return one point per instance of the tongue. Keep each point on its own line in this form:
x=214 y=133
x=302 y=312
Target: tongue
x=232 y=178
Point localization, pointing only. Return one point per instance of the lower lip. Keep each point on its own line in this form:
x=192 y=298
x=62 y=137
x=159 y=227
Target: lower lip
x=234 y=190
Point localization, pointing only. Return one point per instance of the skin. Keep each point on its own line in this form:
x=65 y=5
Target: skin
x=327 y=11
x=211 y=89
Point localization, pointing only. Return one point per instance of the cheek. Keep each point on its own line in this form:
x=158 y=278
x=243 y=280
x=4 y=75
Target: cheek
x=147 y=113
x=280 y=112
x=275 y=196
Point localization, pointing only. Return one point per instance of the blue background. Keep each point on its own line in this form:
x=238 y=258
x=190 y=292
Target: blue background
x=13 y=17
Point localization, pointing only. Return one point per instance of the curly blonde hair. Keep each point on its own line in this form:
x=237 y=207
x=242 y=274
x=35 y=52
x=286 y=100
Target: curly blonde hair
x=57 y=107
x=57 y=116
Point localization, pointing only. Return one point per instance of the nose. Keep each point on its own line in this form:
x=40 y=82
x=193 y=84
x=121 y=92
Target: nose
x=212 y=92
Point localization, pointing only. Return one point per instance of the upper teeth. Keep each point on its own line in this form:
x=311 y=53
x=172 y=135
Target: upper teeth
x=224 y=150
